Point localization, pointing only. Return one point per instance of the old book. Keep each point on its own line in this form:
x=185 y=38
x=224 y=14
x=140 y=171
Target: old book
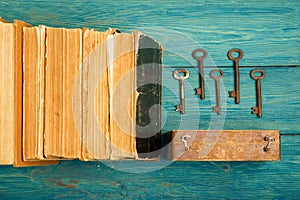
x=62 y=133
x=148 y=102
x=95 y=95
x=224 y=145
x=122 y=83
x=7 y=99
x=110 y=95
x=29 y=140
x=33 y=92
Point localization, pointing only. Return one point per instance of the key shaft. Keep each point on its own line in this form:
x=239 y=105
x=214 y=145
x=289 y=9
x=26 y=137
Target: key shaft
x=258 y=109
x=181 y=108
x=217 y=108
x=200 y=91
x=236 y=93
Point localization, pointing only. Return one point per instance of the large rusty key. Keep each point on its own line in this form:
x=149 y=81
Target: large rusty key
x=200 y=91
x=258 y=109
x=176 y=74
x=236 y=93
x=217 y=108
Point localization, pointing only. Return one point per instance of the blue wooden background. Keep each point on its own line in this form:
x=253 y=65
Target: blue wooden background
x=269 y=34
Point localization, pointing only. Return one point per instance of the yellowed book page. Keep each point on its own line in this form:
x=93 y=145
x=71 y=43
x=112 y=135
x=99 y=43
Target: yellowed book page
x=33 y=92
x=72 y=103
x=96 y=141
x=122 y=85
x=64 y=55
x=19 y=161
x=7 y=99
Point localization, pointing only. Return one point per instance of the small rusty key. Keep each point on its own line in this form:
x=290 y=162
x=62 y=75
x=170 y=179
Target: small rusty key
x=236 y=93
x=200 y=91
x=217 y=108
x=258 y=109
x=176 y=74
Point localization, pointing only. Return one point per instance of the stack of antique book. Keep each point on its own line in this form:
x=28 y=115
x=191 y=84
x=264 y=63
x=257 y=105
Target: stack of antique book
x=76 y=94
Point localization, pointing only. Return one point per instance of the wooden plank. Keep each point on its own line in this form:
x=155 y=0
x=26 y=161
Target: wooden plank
x=224 y=145
x=7 y=100
x=164 y=180
x=279 y=110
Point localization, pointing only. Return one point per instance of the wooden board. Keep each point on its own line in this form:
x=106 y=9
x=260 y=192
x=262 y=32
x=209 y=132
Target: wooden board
x=164 y=180
x=223 y=145
x=268 y=32
x=277 y=108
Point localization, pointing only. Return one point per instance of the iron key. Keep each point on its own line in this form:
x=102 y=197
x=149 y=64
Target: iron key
x=236 y=93
x=181 y=107
x=200 y=91
x=217 y=108
x=258 y=109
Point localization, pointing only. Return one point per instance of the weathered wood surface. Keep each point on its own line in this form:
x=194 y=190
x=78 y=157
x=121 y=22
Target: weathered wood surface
x=223 y=145
x=267 y=32
x=280 y=101
x=182 y=180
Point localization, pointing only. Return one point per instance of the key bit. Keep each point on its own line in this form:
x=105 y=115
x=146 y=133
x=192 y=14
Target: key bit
x=254 y=110
x=232 y=94
x=178 y=108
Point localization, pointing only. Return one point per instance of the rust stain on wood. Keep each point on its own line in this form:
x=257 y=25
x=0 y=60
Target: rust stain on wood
x=224 y=145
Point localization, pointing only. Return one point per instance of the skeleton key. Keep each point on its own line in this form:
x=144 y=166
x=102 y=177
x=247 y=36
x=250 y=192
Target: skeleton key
x=217 y=108
x=181 y=107
x=258 y=109
x=236 y=93
x=200 y=91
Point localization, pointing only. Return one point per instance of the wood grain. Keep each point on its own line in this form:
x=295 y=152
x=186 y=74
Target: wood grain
x=224 y=145
x=267 y=32
x=279 y=110
x=164 y=180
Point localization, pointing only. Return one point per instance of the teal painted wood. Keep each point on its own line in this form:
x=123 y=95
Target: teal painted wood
x=280 y=101
x=269 y=34
x=179 y=180
x=267 y=31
